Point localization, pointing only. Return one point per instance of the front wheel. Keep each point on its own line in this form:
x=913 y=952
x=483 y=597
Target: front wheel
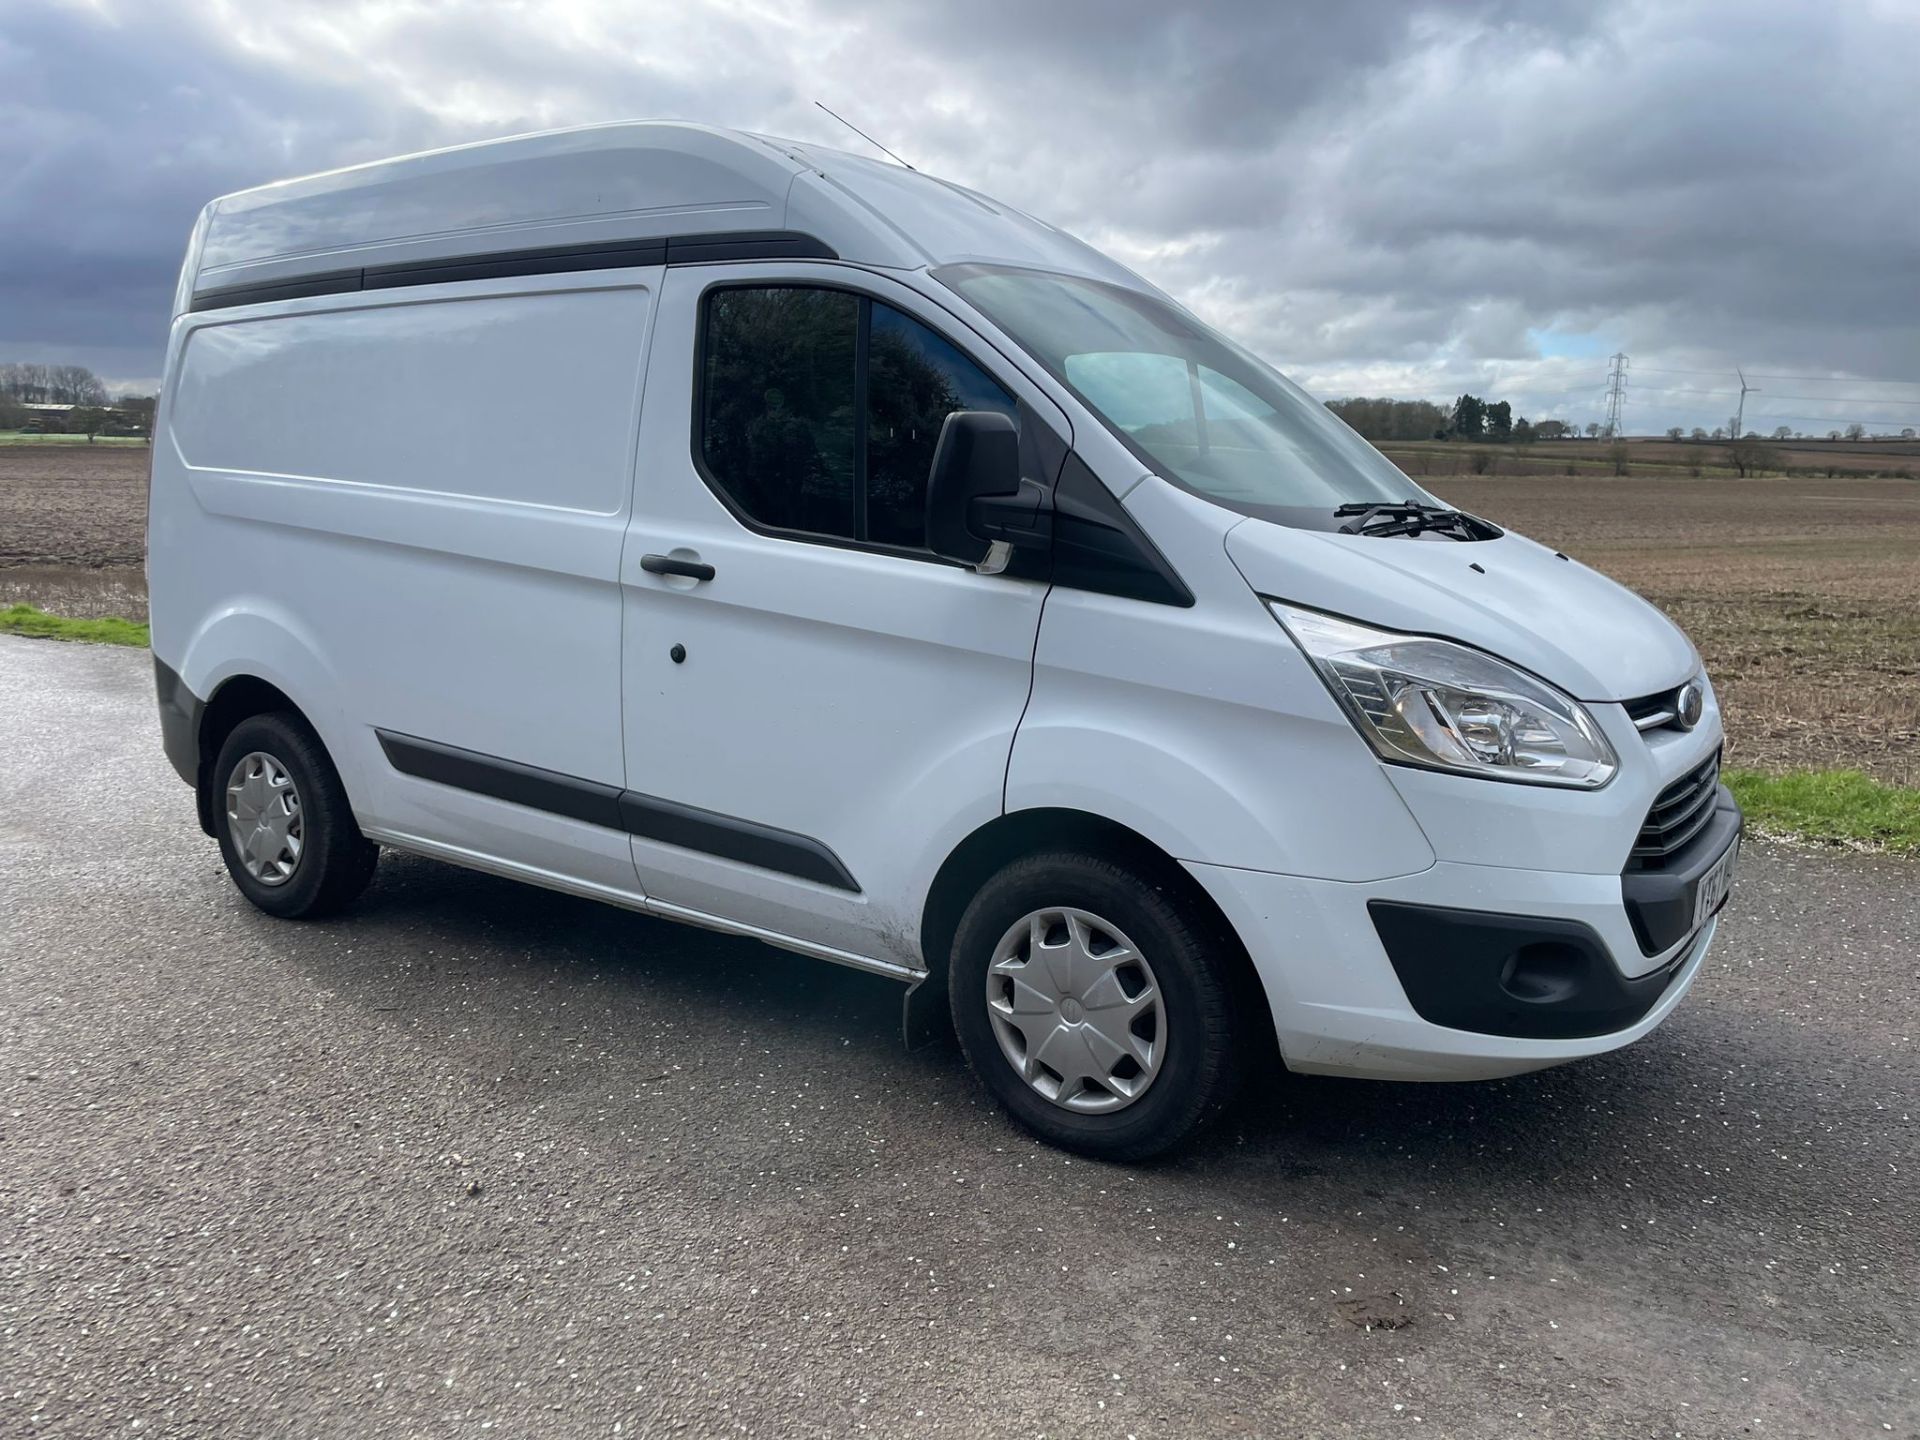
x=1095 y=1005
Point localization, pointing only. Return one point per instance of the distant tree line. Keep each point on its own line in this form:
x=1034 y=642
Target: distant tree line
x=1469 y=418
x=34 y=384
x=1390 y=419
x=1855 y=431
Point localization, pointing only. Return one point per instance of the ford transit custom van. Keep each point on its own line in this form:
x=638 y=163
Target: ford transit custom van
x=803 y=547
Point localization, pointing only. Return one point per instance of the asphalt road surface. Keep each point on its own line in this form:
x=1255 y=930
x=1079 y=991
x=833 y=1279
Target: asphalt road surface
x=475 y=1157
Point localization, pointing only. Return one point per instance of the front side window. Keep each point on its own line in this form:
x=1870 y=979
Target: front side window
x=1194 y=406
x=820 y=410
x=779 y=404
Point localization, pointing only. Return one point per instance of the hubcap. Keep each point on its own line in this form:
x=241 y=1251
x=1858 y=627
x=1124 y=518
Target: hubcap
x=1076 y=1010
x=263 y=817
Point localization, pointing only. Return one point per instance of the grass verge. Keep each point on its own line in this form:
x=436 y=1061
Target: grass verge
x=15 y=437
x=1835 y=807
x=33 y=621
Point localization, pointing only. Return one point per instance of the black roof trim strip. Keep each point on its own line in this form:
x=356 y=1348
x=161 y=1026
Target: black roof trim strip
x=702 y=249
x=746 y=245
x=332 y=282
x=552 y=260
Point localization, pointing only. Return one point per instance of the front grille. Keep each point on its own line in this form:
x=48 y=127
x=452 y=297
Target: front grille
x=1680 y=812
x=1654 y=712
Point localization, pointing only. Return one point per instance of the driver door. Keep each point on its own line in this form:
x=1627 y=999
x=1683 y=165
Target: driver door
x=817 y=710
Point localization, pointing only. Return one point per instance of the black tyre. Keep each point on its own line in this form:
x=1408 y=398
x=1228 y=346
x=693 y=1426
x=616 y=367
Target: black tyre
x=283 y=822
x=1097 y=1004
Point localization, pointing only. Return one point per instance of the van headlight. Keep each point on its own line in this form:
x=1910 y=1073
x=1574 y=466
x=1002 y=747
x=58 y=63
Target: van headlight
x=1421 y=701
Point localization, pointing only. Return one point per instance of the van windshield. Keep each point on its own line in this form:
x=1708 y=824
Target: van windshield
x=1195 y=407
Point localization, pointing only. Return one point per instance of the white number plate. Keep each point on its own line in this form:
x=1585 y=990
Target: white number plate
x=1711 y=893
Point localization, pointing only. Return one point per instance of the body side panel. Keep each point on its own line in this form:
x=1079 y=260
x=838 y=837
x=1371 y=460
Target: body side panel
x=1203 y=728
x=355 y=498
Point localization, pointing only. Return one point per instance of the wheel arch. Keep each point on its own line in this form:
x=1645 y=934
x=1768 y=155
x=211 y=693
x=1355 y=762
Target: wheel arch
x=237 y=698
x=1018 y=833
x=248 y=658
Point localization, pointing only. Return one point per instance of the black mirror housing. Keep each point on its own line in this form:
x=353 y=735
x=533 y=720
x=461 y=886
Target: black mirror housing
x=975 y=494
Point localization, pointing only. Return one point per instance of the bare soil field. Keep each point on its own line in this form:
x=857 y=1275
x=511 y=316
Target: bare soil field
x=1825 y=459
x=73 y=528
x=1803 y=594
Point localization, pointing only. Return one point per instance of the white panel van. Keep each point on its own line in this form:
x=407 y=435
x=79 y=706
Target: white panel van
x=787 y=543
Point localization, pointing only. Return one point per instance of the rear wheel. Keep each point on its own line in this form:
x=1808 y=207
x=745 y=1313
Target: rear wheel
x=281 y=816
x=1095 y=1005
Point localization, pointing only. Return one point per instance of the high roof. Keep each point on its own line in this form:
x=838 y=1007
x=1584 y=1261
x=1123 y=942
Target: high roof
x=623 y=182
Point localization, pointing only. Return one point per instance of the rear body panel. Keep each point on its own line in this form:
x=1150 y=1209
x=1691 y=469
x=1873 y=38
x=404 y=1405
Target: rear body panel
x=343 y=506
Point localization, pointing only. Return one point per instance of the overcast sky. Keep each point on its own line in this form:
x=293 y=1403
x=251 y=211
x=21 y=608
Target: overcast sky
x=1404 y=199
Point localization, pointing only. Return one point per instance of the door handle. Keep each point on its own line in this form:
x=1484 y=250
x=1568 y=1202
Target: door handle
x=674 y=565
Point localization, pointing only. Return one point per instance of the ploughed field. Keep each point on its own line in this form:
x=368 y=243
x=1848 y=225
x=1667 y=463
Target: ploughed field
x=73 y=528
x=1831 y=459
x=1803 y=593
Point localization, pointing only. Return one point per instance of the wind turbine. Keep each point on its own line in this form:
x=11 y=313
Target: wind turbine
x=1740 y=415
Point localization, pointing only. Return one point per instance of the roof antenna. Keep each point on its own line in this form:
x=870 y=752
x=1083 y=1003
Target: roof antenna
x=864 y=135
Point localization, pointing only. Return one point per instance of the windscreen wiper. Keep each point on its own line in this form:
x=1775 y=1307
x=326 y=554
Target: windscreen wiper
x=1410 y=517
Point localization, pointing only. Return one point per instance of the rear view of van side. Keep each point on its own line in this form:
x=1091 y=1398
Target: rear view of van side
x=794 y=545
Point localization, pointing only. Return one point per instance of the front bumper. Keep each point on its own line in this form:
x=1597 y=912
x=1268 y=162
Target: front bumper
x=1660 y=902
x=1524 y=976
x=1338 y=1003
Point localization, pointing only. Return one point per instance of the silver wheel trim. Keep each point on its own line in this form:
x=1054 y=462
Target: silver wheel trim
x=263 y=818
x=1077 y=1010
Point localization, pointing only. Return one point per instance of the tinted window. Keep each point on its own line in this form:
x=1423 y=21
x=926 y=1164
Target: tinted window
x=788 y=434
x=779 y=404
x=915 y=379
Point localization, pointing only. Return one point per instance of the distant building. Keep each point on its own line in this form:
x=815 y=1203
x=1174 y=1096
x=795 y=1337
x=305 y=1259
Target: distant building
x=43 y=418
x=46 y=419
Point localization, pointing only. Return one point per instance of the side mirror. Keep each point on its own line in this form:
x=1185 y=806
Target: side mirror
x=978 y=506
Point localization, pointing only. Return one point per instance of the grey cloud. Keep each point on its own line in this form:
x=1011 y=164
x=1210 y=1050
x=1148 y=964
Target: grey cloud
x=1415 y=196
x=112 y=136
